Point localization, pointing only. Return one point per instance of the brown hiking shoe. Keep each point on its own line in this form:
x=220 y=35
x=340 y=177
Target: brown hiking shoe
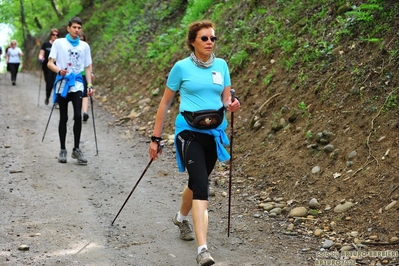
x=186 y=233
x=205 y=258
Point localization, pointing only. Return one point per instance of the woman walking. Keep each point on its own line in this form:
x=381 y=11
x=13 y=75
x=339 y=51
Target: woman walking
x=13 y=60
x=203 y=82
x=49 y=76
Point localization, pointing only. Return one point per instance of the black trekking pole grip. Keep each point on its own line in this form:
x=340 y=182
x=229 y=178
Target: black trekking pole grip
x=160 y=146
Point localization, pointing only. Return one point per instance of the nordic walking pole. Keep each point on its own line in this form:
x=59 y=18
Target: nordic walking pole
x=138 y=181
x=40 y=86
x=52 y=108
x=48 y=121
x=231 y=160
x=94 y=124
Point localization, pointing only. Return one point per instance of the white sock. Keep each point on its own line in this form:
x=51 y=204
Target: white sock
x=181 y=217
x=201 y=247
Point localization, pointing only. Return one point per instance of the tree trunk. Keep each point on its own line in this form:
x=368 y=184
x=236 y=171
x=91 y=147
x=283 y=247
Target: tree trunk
x=38 y=25
x=24 y=28
x=87 y=3
x=57 y=11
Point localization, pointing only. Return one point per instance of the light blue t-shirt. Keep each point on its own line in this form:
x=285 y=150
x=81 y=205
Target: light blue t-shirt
x=200 y=88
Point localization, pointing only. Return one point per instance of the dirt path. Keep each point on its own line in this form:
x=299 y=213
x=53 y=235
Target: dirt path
x=63 y=212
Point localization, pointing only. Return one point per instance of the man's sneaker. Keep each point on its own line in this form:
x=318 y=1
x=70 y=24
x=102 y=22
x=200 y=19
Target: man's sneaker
x=46 y=101
x=78 y=155
x=186 y=233
x=205 y=258
x=62 y=157
x=85 y=117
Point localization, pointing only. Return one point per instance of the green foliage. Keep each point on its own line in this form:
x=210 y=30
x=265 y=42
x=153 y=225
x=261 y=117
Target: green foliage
x=266 y=81
x=196 y=10
x=364 y=13
x=36 y=14
x=391 y=103
x=299 y=35
x=302 y=106
x=238 y=60
x=309 y=134
x=373 y=40
x=304 y=109
x=164 y=45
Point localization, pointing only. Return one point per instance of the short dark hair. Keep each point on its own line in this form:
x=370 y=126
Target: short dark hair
x=194 y=28
x=75 y=20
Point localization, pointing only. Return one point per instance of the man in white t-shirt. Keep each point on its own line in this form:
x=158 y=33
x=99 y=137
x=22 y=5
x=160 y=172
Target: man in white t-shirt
x=68 y=58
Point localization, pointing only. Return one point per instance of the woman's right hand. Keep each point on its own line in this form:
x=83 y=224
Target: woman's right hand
x=155 y=149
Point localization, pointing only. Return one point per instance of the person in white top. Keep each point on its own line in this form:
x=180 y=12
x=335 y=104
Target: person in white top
x=13 y=60
x=69 y=57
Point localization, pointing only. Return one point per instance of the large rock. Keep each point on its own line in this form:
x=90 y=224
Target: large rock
x=343 y=207
x=298 y=212
x=314 y=204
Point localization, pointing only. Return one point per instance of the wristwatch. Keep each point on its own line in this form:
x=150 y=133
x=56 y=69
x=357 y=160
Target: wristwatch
x=156 y=139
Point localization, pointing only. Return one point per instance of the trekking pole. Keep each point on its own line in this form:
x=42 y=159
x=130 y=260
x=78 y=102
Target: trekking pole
x=48 y=121
x=52 y=108
x=40 y=86
x=94 y=124
x=138 y=181
x=231 y=161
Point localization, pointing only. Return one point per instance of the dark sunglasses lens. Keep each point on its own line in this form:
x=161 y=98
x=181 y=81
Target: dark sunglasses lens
x=205 y=39
x=55 y=35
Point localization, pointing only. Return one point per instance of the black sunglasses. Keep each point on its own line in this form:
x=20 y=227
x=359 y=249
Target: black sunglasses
x=54 y=34
x=205 y=38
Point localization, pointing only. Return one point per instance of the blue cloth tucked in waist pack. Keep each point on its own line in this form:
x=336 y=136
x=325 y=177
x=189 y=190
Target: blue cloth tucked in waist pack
x=70 y=82
x=219 y=134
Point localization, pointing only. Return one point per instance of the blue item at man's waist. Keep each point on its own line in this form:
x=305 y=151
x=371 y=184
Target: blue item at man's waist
x=70 y=82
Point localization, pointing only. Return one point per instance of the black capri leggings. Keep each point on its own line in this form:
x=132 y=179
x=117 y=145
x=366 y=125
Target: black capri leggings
x=198 y=152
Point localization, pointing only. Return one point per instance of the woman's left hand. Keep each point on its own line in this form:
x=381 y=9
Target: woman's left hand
x=234 y=106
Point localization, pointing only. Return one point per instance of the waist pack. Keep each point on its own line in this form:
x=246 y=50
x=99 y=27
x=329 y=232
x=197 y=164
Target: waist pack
x=205 y=119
